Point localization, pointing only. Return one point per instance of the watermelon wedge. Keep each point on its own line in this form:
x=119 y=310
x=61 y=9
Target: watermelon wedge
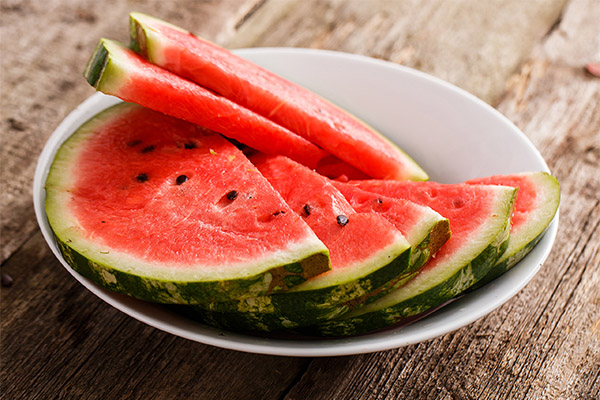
x=425 y=229
x=366 y=253
x=162 y=210
x=116 y=70
x=536 y=204
x=480 y=222
x=283 y=102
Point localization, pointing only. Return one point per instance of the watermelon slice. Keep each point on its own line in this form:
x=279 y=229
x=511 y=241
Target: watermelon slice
x=425 y=229
x=480 y=222
x=536 y=204
x=116 y=70
x=159 y=209
x=271 y=96
x=366 y=253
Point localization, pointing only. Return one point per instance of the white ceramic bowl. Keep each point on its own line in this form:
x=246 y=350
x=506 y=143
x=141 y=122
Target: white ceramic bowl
x=450 y=133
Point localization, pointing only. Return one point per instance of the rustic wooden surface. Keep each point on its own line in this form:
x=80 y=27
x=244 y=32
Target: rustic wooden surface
x=524 y=57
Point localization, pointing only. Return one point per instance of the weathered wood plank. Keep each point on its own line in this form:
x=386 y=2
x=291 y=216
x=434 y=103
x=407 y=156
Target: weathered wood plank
x=45 y=46
x=60 y=341
x=476 y=45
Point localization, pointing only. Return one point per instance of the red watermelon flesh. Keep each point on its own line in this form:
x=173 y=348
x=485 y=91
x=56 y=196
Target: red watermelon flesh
x=467 y=207
x=152 y=196
x=119 y=71
x=480 y=222
x=416 y=222
x=526 y=197
x=536 y=204
x=273 y=97
x=352 y=238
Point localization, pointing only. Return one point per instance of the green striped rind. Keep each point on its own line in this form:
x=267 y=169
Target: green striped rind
x=282 y=310
x=299 y=307
x=436 y=236
x=144 y=39
x=504 y=264
x=417 y=296
x=524 y=239
x=103 y=70
x=178 y=292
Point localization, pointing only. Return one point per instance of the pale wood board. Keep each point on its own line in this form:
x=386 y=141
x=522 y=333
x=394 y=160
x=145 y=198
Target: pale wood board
x=525 y=57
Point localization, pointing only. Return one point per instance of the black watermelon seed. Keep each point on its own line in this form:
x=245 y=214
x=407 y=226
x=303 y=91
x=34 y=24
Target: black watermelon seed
x=134 y=143
x=342 y=220
x=148 y=149
x=181 y=179
x=103 y=222
x=232 y=195
x=7 y=280
x=189 y=146
x=276 y=213
x=378 y=201
x=307 y=209
x=142 y=177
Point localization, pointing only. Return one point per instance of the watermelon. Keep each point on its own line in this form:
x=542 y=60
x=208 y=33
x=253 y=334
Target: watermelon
x=366 y=252
x=425 y=229
x=283 y=102
x=536 y=204
x=480 y=222
x=116 y=70
x=159 y=209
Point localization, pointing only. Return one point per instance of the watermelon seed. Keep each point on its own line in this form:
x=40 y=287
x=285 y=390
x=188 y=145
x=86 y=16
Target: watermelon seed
x=103 y=222
x=307 y=209
x=458 y=203
x=232 y=195
x=181 y=179
x=148 y=149
x=189 y=146
x=378 y=201
x=276 y=213
x=7 y=280
x=134 y=143
x=142 y=177
x=342 y=220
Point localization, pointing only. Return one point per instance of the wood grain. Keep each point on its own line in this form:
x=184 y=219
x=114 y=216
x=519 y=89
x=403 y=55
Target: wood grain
x=525 y=57
x=476 y=45
x=60 y=341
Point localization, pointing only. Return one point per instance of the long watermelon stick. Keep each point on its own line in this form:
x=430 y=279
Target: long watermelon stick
x=283 y=102
x=116 y=70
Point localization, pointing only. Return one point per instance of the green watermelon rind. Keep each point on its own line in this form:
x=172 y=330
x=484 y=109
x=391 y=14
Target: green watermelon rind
x=387 y=311
x=145 y=280
x=526 y=238
x=252 y=315
x=281 y=311
x=297 y=307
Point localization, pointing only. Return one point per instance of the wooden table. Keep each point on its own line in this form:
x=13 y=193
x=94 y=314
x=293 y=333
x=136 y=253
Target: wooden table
x=524 y=57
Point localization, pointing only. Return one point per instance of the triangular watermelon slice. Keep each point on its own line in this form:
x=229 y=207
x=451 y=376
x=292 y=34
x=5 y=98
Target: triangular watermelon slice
x=285 y=103
x=116 y=70
x=425 y=229
x=162 y=210
x=366 y=253
x=480 y=222
x=536 y=204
